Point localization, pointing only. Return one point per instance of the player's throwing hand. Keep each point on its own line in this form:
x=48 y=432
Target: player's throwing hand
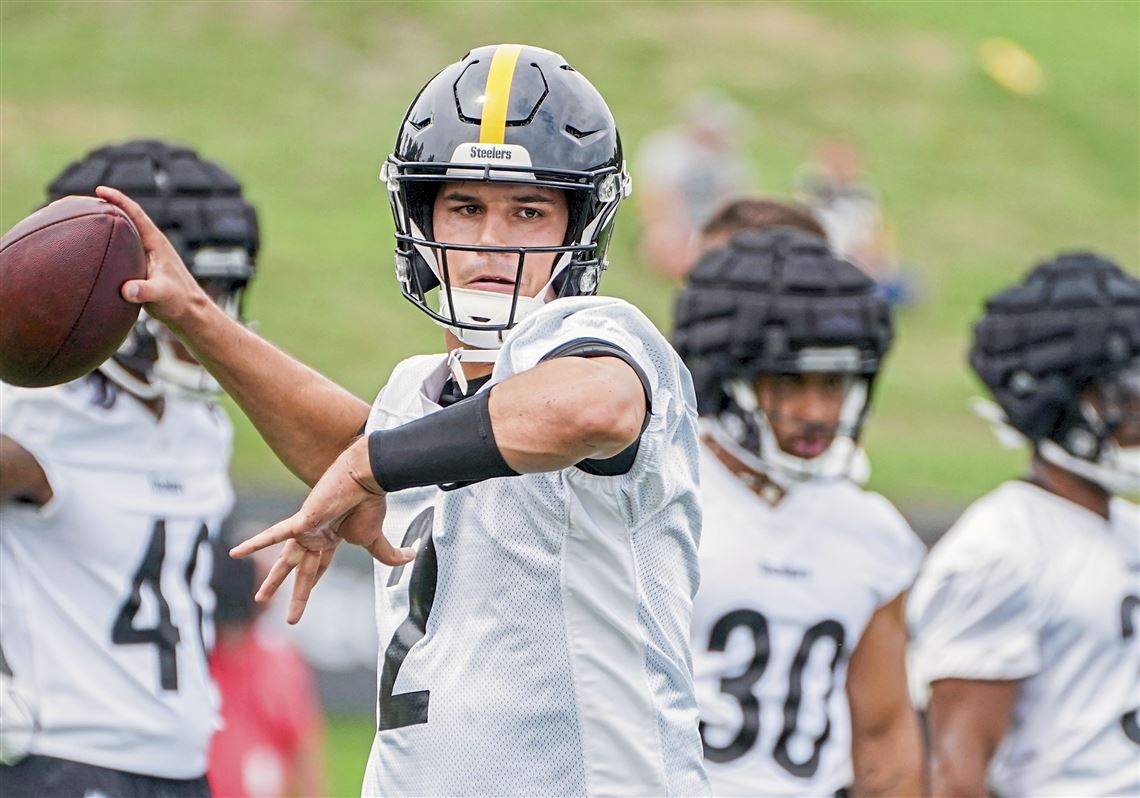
x=345 y=504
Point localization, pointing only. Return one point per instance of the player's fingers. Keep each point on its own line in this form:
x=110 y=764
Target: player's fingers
x=152 y=238
x=291 y=527
x=388 y=554
x=303 y=581
x=281 y=569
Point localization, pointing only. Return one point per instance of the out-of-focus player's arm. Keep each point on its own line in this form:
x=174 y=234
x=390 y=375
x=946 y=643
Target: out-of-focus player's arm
x=22 y=478
x=886 y=740
x=305 y=418
x=968 y=719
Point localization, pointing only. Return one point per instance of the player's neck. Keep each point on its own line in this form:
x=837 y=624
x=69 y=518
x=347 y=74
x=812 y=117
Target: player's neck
x=1069 y=486
x=758 y=483
x=471 y=370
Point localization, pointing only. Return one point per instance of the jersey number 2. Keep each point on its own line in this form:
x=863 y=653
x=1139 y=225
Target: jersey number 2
x=397 y=710
x=740 y=688
x=164 y=634
x=1127 y=629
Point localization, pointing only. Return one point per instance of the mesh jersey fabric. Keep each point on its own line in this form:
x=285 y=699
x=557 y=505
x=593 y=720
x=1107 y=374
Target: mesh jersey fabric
x=788 y=591
x=1028 y=586
x=136 y=502
x=554 y=654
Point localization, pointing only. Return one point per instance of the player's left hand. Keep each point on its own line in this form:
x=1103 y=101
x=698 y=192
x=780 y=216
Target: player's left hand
x=345 y=504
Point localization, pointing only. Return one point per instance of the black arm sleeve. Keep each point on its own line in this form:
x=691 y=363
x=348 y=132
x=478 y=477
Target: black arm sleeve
x=621 y=462
x=451 y=448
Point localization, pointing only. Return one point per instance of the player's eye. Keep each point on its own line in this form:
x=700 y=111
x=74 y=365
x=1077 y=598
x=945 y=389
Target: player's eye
x=530 y=213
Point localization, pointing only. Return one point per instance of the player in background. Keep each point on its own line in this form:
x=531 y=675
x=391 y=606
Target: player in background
x=798 y=632
x=754 y=213
x=1026 y=616
x=265 y=747
x=542 y=475
x=112 y=487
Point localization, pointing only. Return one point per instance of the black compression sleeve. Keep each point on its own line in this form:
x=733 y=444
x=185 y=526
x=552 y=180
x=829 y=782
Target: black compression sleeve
x=453 y=446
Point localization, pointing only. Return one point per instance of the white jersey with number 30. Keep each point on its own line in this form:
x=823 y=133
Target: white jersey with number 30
x=786 y=593
x=1030 y=587
x=538 y=645
x=104 y=591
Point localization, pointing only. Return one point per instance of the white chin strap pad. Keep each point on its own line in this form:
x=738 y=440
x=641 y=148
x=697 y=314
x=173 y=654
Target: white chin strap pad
x=1117 y=469
x=484 y=307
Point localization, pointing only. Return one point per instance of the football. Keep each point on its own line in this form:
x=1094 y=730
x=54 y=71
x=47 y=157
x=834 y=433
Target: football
x=61 y=270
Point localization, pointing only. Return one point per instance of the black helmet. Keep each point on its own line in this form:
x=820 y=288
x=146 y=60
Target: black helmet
x=199 y=206
x=1072 y=322
x=511 y=114
x=780 y=302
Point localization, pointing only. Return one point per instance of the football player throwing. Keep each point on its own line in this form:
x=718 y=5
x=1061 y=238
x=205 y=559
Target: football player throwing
x=530 y=496
x=112 y=487
x=1027 y=614
x=798 y=632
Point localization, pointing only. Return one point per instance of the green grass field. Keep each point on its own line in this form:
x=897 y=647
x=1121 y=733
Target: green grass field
x=302 y=100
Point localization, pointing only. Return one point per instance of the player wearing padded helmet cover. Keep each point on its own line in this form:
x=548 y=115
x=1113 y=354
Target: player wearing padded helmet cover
x=798 y=633
x=1026 y=617
x=529 y=494
x=112 y=487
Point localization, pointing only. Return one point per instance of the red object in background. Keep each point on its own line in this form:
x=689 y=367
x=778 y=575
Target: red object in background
x=270 y=714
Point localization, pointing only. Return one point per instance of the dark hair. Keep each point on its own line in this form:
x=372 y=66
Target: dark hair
x=758 y=213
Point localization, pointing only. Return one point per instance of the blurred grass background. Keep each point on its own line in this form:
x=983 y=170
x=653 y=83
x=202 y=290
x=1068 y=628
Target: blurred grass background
x=301 y=100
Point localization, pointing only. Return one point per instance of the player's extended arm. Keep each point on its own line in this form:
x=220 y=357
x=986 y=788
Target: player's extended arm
x=306 y=419
x=551 y=417
x=22 y=478
x=968 y=718
x=886 y=743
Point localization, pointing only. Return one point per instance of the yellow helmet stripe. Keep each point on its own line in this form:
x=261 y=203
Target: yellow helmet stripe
x=497 y=92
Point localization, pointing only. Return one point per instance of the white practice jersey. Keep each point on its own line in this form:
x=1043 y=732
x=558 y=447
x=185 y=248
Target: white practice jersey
x=539 y=643
x=104 y=591
x=786 y=592
x=1031 y=587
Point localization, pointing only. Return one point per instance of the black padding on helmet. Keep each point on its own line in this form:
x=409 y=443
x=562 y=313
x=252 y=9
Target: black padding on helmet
x=755 y=304
x=195 y=202
x=1071 y=320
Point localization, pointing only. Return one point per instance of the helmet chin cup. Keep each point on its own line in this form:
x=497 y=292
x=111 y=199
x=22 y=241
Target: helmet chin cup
x=842 y=459
x=468 y=306
x=1117 y=469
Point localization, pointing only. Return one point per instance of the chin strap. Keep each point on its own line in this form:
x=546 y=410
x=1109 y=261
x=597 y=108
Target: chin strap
x=116 y=373
x=844 y=458
x=1116 y=469
x=458 y=357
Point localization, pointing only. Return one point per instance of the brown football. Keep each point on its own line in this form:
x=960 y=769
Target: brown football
x=61 y=270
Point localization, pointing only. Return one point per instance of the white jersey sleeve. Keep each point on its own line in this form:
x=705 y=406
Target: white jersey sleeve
x=974 y=608
x=895 y=552
x=1029 y=587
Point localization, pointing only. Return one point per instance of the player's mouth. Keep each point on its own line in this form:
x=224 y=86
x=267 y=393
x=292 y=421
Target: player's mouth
x=808 y=447
x=493 y=283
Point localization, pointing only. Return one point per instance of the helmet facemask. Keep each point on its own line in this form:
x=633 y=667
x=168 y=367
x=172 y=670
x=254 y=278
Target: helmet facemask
x=747 y=427
x=1104 y=445
x=481 y=318
x=152 y=363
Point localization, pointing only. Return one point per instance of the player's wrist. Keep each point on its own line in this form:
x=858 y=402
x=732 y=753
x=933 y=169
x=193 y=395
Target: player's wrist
x=359 y=467
x=452 y=447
